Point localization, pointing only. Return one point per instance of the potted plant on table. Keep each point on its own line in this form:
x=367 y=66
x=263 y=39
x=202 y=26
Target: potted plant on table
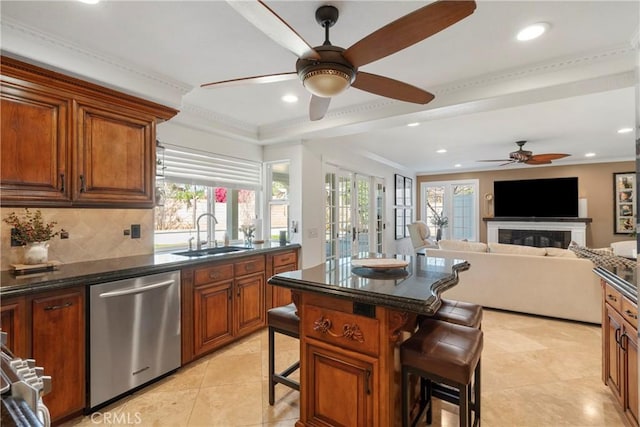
x=33 y=233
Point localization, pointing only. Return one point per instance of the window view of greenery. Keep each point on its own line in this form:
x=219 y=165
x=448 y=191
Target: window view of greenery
x=183 y=204
x=279 y=200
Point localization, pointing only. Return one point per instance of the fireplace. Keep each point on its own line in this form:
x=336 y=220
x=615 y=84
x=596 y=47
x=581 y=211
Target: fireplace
x=537 y=238
x=540 y=232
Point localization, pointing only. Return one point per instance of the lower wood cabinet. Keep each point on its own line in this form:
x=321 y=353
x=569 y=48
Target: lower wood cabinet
x=280 y=262
x=50 y=328
x=221 y=302
x=620 y=350
x=344 y=388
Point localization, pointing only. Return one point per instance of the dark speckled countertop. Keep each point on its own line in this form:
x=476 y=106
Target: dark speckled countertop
x=623 y=279
x=415 y=288
x=107 y=270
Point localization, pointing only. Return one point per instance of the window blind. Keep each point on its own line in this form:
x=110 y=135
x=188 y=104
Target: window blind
x=197 y=167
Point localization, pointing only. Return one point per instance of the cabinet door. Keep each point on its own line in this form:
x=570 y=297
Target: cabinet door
x=612 y=330
x=342 y=389
x=213 y=318
x=58 y=343
x=12 y=321
x=115 y=157
x=250 y=308
x=282 y=296
x=34 y=166
x=630 y=345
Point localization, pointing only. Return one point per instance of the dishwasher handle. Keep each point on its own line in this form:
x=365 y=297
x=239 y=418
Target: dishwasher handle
x=137 y=290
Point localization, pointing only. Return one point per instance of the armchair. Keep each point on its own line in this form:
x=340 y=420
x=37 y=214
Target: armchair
x=420 y=233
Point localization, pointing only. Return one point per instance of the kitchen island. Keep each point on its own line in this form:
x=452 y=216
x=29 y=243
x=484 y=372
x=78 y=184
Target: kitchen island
x=352 y=321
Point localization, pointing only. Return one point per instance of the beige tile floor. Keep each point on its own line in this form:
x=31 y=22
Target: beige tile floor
x=535 y=372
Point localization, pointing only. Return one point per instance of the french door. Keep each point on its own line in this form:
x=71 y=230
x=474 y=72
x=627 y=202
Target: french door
x=353 y=213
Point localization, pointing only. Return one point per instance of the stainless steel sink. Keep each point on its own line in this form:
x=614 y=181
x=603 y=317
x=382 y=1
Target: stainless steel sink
x=212 y=251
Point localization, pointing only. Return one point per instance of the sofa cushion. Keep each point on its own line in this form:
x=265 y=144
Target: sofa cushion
x=461 y=245
x=503 y=248
x=562 y=253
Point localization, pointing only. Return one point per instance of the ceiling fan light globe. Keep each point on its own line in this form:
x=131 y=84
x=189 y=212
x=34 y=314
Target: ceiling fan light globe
x=326 y=82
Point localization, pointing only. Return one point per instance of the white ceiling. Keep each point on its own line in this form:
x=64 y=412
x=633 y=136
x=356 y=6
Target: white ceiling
x=566 y=92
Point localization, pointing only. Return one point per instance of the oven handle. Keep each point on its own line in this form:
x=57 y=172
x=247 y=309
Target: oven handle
x=137 y=290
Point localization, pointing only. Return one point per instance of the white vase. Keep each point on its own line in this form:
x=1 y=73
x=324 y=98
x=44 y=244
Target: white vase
x=36 y=253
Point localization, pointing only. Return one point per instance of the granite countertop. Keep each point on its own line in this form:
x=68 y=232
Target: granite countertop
x=107 y=270
x=623 y=279
x=415 y=288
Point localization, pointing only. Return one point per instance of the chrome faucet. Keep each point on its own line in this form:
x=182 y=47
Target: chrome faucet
x=198 y=241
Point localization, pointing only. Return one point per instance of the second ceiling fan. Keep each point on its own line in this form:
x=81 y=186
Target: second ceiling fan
x=524 y=156
x=328 y=70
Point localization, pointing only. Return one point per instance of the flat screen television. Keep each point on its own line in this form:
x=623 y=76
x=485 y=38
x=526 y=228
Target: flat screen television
x=545 y=198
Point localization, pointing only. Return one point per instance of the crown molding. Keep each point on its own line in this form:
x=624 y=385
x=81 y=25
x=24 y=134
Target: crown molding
x=49 y=51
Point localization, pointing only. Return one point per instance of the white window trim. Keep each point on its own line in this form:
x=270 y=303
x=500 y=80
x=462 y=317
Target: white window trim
x=448 y=207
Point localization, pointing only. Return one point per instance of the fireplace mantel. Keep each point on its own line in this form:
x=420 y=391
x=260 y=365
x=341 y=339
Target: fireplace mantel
x=577 y=226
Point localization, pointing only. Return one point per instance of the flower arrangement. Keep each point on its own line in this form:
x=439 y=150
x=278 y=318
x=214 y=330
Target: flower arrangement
x=31 y=227
x=438 y=220
x=248 y=230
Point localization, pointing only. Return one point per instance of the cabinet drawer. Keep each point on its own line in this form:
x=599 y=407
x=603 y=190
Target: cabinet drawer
x=342 y=329
x=284 y=258
x=613 y=297
x=214 y=273
x=629 y=311
x=250 y=266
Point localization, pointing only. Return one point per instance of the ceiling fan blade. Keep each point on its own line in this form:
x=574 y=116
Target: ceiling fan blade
x=267 y=78
x=391 y=88
x=408 y=30
x=318 y=107
x=548 y=156
x=537 y=162
x=267 y=21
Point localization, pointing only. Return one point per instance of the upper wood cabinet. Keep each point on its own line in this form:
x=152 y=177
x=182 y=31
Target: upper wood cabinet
x=67 y=142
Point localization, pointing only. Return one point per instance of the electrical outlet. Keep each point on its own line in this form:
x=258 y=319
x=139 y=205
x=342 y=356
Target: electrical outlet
x=64 y=234
x=127 y=232
x=135 y=231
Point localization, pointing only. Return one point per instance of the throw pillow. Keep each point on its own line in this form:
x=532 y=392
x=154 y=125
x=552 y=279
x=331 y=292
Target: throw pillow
x=459 y=245
x=423 y=230
x=601 y=257
x=503 y=248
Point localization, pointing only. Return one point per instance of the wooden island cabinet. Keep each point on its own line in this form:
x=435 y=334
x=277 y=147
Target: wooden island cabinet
x=351 y=325
x=620 y=344
x=68 y=142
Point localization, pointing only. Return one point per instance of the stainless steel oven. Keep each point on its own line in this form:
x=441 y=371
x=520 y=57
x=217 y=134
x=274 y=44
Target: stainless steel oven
x=134 y=334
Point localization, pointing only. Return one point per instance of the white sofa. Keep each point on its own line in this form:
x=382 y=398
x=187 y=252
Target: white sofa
x=542 y=281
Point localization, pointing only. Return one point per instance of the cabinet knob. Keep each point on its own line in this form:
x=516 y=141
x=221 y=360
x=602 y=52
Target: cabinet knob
x=631 y=314
x=83 y=187
x=611 y=297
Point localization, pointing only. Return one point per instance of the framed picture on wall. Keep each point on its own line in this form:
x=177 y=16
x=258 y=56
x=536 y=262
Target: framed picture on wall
x=408 y=191
x=400 y=226
x=399 y=190
x=624 y=203
x=408 y=213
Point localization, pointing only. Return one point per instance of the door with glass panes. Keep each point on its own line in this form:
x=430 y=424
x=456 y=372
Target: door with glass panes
x=350 y=202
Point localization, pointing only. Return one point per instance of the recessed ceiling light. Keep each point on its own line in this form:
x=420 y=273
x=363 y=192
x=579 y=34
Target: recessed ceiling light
x=89 y=1
x=414 y=124
x=625 y=130
x=290 y=99
x=457 y=165
x=532 y=31
x=441 y=151
x=590 y=155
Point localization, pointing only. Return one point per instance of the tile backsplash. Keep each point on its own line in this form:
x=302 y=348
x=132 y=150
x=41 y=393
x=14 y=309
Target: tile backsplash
x=93 y=234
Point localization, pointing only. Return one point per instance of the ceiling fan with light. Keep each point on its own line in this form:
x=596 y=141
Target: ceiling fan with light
x=525 y=156
x=328 y=70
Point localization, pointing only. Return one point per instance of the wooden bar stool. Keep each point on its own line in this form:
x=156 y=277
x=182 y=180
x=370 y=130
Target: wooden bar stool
x=282 y=320
x=444 y=353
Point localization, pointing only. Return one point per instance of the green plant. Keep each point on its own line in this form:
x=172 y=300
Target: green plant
x=30 y=227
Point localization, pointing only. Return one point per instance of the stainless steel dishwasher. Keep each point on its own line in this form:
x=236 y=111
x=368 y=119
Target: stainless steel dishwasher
x=134 y=333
